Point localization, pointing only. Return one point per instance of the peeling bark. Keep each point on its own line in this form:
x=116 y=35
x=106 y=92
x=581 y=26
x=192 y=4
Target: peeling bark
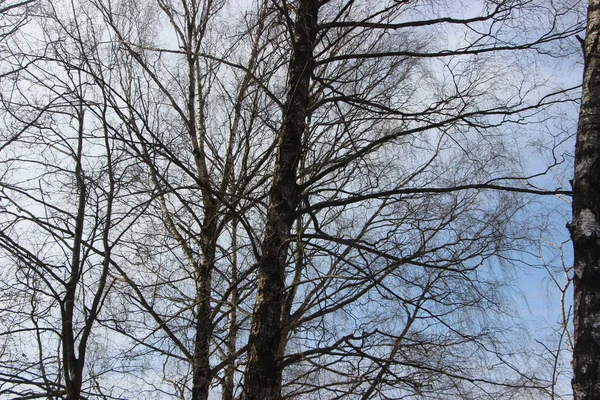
x=585 y=230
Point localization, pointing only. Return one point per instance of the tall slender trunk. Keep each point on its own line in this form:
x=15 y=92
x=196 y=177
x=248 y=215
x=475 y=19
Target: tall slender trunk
x=201 y=374
x=585 y=230
x=72 y=365
x=229 y=379
x=263 y=372
x=201 y=364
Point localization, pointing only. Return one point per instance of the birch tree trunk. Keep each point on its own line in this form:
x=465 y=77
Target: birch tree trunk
x=585 y=229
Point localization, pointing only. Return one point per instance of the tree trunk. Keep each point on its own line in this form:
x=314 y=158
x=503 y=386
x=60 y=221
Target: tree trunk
x=201 y=365
x=263 y=373
x=585 y=230
x=72 y=365
x=229 y=378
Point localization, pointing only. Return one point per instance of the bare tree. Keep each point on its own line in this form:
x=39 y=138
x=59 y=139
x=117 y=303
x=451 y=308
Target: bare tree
x=59 y=191
x=291 y=199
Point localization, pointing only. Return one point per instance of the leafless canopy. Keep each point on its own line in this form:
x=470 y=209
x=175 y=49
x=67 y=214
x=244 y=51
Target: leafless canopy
x=269 y=199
